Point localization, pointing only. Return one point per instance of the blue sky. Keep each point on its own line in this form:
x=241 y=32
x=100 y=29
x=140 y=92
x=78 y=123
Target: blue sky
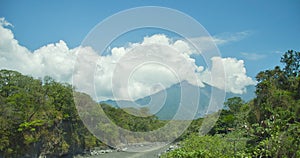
x=257 y=32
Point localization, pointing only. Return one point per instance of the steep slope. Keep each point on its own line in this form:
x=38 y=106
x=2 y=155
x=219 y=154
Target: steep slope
x=165 y=104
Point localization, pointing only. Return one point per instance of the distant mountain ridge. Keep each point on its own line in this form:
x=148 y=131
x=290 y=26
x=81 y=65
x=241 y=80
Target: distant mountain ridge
x=167 y=109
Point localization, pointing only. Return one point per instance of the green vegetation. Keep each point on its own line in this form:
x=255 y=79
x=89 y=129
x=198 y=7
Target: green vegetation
x=39 y=117
x=131 y=122
x=267 y=126
x=207 y=146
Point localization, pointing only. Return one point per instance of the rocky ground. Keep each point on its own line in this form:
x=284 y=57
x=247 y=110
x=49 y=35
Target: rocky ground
x=151 y=150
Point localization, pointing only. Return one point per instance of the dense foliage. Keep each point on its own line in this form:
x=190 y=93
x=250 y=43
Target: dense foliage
x=267 y=126
x=131 y=122
x=39 y=118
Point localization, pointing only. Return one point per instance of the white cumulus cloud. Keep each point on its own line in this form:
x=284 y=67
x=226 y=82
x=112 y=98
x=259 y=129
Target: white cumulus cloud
x=141 y=69
x=236 y=78
x=55 y=60
x=129 y=72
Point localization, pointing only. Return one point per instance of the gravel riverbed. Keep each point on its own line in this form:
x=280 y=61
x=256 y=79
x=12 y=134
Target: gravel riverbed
x=151 y=150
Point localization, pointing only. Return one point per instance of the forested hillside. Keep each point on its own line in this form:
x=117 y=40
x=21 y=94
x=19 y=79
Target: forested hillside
x=39 y=117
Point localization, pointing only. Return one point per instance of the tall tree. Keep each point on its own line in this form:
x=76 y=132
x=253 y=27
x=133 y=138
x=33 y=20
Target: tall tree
x=291 y=59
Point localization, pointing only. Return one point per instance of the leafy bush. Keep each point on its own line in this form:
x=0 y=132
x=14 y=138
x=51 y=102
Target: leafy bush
x=208 y=146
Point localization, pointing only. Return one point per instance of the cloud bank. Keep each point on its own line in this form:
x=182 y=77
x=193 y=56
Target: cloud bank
x=57 y=60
